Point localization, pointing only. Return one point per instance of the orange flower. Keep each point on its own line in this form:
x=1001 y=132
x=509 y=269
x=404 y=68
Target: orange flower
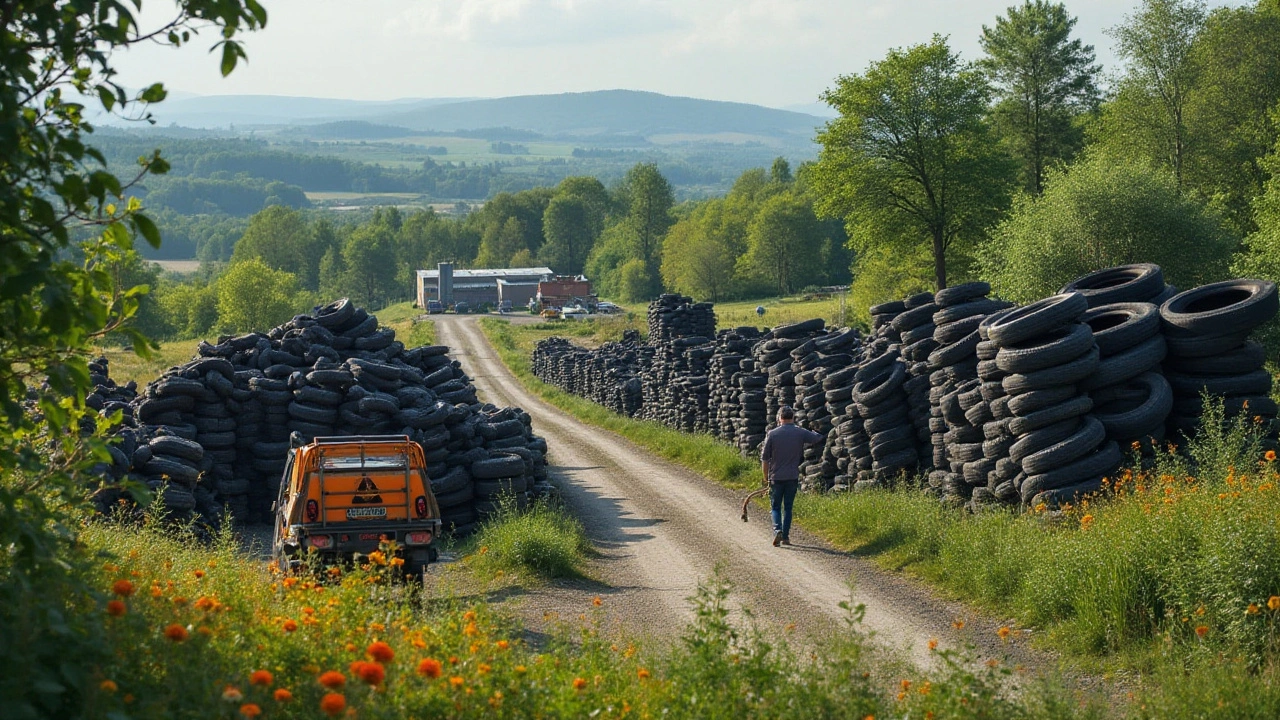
x=456 y=681
x=333 y=679
x=156 y=591
x=579 y=684
x=1003 y=632
x=199 y=574
x=115 y=608
x=124 y=588
x=332 y=704
x=250 y=710
x=231 y=693
x=483 y=668
x=502 y=644
x=430 y=668
x=205 y=603
x=1270 y=456
x=289 y=626
x=1273 y=603
x=1253 y=609
x=958 y=624
x=1201 y=631
x=470 y=629
x=282 y=695
x=371 y=673
x=643 y=674
x=179 y=600
x=597 y=601
x=469 y=615
x=176 y=633
x=261 y=677
x=933 y=643
x=380 y=651
x=108 y=686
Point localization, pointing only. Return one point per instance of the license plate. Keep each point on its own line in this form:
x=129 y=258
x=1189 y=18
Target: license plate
x=371 y=536
x=363 y=513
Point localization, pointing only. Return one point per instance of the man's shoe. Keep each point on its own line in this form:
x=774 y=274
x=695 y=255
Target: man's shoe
x=777 y=539
x=786 y=541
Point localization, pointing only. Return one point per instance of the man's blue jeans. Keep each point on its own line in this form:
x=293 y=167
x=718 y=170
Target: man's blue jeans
x=782 y=496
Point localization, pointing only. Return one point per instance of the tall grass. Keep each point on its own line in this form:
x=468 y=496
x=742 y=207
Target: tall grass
x=542 y=542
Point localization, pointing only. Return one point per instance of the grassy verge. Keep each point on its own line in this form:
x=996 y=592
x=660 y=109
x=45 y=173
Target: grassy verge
x=541 y=542
x=190 y=631
x=1173 y=578
x=777 y=311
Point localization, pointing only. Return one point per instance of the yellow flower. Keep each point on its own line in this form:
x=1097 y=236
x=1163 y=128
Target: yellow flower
x=1003 y=632
x=1270 y=456
x=1253 y=609
x=108 y=686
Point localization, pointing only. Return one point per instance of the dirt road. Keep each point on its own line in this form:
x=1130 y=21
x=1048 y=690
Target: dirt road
x=662 y=529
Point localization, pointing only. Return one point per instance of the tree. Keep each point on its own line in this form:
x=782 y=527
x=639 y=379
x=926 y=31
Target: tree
x=284 y=240
x=1260 y=256
x=649 y=202
x=634 y=281
x=500 y=242
x=785 y=244
x=255 y=297
x=696 y=258
x=1098 y=213
x=780 y=172
x=570 y=234
x=1044 y=80
x=63 y=220
x=369 y=266
x=1156 y=43
x=909 y=158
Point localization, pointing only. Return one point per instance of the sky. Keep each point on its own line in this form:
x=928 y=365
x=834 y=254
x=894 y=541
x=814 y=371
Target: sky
x=769 y=52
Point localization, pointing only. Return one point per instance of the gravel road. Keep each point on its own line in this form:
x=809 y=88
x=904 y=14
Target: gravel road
x=661 y=529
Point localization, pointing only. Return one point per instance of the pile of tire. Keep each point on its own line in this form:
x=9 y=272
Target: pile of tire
x=676 y=316
x=958 y=408
x=886 y=436
x=774 y=354
x=676 y=385
x=1207 y=330
x=812 y=362
x=736 y=415
x=1047 y=351
x=333 y=372
x=609 y=375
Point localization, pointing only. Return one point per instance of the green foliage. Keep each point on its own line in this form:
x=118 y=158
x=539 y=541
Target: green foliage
x=239 y=196
x=883 y=275
x=698 y=259
x=253 y=296
x=542 y=541
x=571 y=233
x=284 y=240
x=785 y=243
x=1098 y=213
x=1045 y=80
x=634 y=281
x=1260 y=255
x=910 y=159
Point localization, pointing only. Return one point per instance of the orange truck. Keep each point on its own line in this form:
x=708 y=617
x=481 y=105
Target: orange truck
x=344 y=496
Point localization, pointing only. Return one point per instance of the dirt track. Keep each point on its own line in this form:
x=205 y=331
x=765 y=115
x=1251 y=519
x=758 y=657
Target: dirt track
x=662 y=529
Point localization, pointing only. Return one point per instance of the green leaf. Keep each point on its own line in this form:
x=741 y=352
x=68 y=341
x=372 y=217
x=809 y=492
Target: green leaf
x=147 y=228
x=154 y=94
x=107 y=97
x=231 y=54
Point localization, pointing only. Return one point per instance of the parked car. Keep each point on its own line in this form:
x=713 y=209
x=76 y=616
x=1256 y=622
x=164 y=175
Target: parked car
x=461 y=308
x=504 y=306
x=574 y=312
x=434 y=307
x=551 y=314
x=608 y=308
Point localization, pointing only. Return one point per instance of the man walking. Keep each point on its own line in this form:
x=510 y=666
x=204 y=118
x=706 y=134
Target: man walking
x=780 y=458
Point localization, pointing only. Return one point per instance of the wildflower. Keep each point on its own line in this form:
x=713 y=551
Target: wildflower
x=597 y=601
x=308 y=610
x=176 y=633
x=958 y=624
x=290 y=582
x=351 y=647
x=1086 y=522
x=381 y=652
x=377 y=627
x=520 y=669
x=429 y=668
x=1136 y=445
x=906 y=684
x=115 y=608
x=332 y=704
x=993 y=663
x=333 y=679
x=232 y=694
x=484 y=668
x=1041 y=507
x=496 y=700
x=108 y=686
x=179 y=600
x=1003 y=632
x=289 y=626
x=334 y=572
x=377 y=557
x=124 y=588
x=502 y=644
x=1273 y=603
x=925 y=687
x=397 y=562
x=156 y=591
x=933 y=644
x=579 y=684
x=260 y=677
x=205 y=603
x=199 y=574
x=250 y=710
x=282 y=696
x=469 y=615
x=470 y=629
x=1270 y=456
x=372 y=673
x=643 y=674
x=456 y=681
x=1201 y=631
x=1253 y=609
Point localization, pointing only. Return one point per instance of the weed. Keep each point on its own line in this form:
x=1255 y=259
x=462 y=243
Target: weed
x=543 y=541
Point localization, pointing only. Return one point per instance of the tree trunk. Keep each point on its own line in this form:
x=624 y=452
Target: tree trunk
x=939 y=260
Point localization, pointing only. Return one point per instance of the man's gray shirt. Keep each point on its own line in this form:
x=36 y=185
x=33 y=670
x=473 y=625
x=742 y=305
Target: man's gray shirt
x=784 y=449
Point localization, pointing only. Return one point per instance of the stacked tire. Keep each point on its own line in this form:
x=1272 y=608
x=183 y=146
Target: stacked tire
x=1130 y=396
x=1207 y=330
x=882 y=406
x=1047 y=352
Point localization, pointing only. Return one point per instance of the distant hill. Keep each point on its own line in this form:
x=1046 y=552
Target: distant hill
x=220 y=111
x=604 y=113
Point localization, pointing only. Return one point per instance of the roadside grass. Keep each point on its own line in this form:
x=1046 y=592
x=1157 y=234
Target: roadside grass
x=210 y=630
x=1172 y=579
x=541 y=542
x=125 y=365
x=777 y=311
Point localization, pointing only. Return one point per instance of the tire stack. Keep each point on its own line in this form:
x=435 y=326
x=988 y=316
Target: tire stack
x=674 y=316
x=775 y=354
x=752 y=420
x=1207 y=329
x=831 y=353
x=1131 y=397
x=881 y=404
x=1047 y=352
x=917 y=345
x=724 y=403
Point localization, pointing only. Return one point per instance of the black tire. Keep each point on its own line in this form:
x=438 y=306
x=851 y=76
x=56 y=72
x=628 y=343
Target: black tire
x=494 y=488
x=965 y=452
x=979 y=414
x=1027 y=403
x=1133 y=421
x=878 y=389
x=1257 y=382
x=335 y=313
x=979 y=309
x=984 y=328
x=1038 y=318
x=962 y=293
x=956 y=330
x=450 y=482
x=996 y=449
x=1088 y=436
x=893 y=462
x=871 y=368
x=1127 y=365
x=317 y=396
x=1120 y=326
x=916 y=334
x=1072 y=494
x=1041 y=439
x=177 y=499
x=1073 y=408
x=461 y=496
x=986 y=350
x=180 y=473
x=977 y=471
x=177 y=447
x=1056 y=347
x=1184 y=344
x=1125 y=283
x=888 y=420
x=503 y=466
x=1224 y=307
x=1093 y=466
x=1239 y=360
x=917 y=300
x=916 y=317
x=890 y=308
x=1066 y=374
x=152 y=408
x=959 y=435
x=955 y=353
x=316 y=414
x=798 y=329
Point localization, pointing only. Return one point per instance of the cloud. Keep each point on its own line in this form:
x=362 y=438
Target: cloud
x=534 y=22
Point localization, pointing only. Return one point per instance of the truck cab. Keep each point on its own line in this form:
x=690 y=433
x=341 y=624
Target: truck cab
x=343 y=496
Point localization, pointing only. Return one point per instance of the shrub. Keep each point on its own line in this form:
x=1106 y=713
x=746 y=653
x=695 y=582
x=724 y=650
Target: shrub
x=543 y=541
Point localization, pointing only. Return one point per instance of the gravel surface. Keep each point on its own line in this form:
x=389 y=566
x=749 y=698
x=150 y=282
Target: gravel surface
x=661 y=529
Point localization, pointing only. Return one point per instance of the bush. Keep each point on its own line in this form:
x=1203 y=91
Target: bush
x=1098 y=213
x=543 y=541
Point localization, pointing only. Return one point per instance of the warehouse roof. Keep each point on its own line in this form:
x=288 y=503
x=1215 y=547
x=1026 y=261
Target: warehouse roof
x=489 y=273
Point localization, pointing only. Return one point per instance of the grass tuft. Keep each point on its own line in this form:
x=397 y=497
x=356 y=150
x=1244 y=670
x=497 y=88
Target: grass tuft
x=542 y=541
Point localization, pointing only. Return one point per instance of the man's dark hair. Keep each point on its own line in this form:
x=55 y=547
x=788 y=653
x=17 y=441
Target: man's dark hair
x=786 y=413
